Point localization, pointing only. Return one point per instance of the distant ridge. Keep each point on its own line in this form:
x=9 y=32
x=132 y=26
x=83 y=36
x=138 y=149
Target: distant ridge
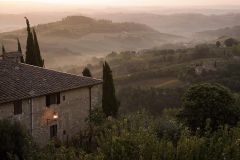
x=181 y=23
x=80 y=35
x=80 y=25
x=233 y=32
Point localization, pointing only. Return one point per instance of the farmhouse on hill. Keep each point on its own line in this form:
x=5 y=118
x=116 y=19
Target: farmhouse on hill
x=49 y=103
x=15 y=56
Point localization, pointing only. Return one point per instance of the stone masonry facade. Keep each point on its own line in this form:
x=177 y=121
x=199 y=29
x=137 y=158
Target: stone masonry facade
x=70 y=113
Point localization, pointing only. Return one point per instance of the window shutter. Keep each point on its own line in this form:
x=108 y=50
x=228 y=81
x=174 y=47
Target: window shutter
x=47 y=100
x=17 y=107
x=58 y=98
x=53 y=131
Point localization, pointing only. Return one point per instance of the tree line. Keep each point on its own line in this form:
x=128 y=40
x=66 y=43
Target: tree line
x=33 y=53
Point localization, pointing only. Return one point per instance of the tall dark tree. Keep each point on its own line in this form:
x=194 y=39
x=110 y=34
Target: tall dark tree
x=39 y=60
x=20 y=50
x=3 y=49
x=110 y=104
x=218 y=44
x=86 y=72
x=30 y=55
x=19 y=46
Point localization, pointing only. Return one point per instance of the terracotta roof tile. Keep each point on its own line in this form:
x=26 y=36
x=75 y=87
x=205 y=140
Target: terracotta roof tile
x=21 y=81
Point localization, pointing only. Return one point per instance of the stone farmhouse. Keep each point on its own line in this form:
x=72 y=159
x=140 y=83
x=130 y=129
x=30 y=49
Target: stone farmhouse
x=49 y=103
x=13 y=56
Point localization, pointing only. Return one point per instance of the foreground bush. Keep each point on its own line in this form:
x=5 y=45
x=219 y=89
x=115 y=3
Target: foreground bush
x=14 y=140
x=135 y=138
x=138 y=136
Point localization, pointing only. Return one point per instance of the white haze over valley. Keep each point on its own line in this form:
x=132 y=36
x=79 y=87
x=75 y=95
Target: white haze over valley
x=157 y=24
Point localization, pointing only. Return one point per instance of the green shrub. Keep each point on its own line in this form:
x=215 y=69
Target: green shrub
x=135 y=137
x=14 y=140
x=208 y=102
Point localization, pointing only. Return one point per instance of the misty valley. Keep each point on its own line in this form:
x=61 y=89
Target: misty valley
x=140 y=83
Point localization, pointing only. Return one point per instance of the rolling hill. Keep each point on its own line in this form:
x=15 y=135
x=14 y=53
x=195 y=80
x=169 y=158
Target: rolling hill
x=181 y=24
x=167 y=73
x=11 y=22
x=222 y=32
x=78 y=35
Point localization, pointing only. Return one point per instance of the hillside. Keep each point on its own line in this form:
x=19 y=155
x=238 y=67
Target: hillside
x=11 y=22
x=142 y=76
x=78 y=35
x=223 y=32
x=181 y=24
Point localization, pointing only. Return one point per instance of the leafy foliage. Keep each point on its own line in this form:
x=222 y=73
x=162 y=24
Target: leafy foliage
x=86 y=72
x=97 y=117
x=208 y=102
x=135 y=137
x=14 y=140
x=230 y=42
x=154 y=100
x=141 y=136
x=201 y=51
x=129 y=138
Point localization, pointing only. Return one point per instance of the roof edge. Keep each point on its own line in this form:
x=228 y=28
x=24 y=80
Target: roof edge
x=87 y=86
x=59 y=71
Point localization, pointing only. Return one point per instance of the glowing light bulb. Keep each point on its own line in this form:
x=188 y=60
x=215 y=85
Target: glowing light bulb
x=55 y=116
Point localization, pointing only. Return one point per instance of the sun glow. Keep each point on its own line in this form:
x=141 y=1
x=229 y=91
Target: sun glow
x=136 y=2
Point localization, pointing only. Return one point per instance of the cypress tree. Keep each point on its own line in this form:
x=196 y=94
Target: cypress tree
x=33 y=55
x=86 y=72
x=39 y=60
x=30 y=56
x=19 y=46
x=3 y=49
x=20 y=50
x=110 y=104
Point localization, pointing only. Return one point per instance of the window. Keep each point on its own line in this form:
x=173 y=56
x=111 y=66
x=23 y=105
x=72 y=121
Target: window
x=17 y=107
x=53 y=131
x=52 y=99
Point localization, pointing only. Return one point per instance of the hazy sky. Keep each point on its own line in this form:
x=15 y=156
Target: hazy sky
x=139 y=2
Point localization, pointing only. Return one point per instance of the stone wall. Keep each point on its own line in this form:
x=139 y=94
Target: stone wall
x=71 y=113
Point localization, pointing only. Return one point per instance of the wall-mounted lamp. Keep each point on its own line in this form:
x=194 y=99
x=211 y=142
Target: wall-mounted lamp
x=54 y=117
